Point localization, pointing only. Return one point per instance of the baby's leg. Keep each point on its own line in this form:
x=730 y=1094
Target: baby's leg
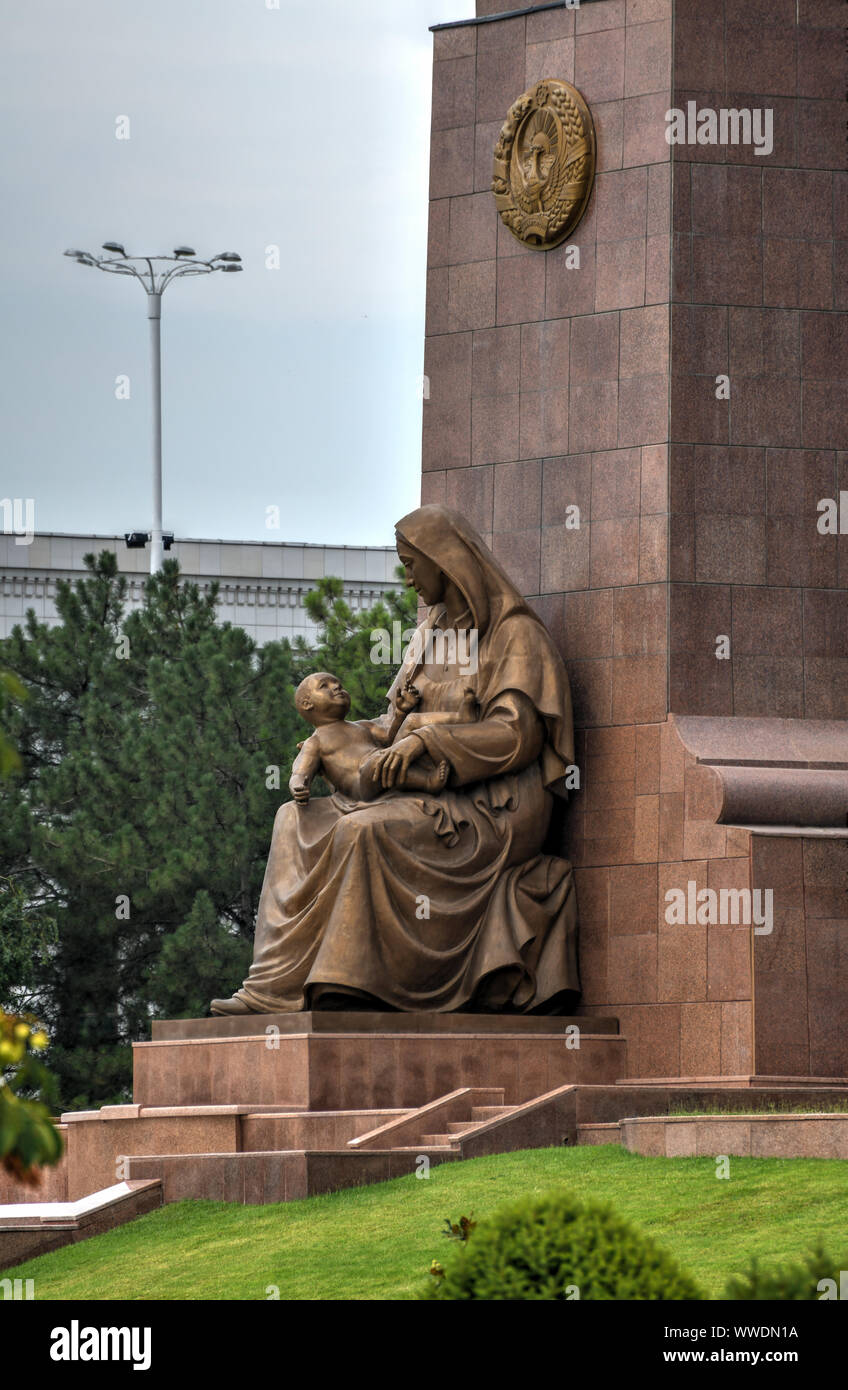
x=369 y=786
x=419 y=779
x=422 y=776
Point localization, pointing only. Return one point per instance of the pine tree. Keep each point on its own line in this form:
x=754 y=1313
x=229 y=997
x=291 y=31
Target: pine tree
x=155 y=747
x=348 y=645
x=202 y=959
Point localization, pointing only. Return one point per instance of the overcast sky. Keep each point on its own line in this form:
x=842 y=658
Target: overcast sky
x=304 y=127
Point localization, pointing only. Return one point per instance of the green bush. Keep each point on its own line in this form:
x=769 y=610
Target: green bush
x=28 y=1136
x=791 y=1281
x=555 y=1247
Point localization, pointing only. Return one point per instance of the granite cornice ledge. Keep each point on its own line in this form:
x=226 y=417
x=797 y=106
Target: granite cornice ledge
x=765 y=772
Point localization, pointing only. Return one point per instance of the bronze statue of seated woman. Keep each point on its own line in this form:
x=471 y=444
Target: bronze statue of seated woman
x=421 y=884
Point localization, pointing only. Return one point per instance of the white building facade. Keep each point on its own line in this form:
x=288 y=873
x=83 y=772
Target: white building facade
x=261 y=586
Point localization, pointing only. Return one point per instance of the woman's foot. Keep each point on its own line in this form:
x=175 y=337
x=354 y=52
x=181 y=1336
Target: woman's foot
x=235 y=1005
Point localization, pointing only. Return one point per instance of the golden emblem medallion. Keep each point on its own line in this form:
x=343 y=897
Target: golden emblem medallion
x=544 y=164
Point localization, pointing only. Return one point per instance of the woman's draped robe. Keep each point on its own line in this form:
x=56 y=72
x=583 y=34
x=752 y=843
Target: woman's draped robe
x=425 y=902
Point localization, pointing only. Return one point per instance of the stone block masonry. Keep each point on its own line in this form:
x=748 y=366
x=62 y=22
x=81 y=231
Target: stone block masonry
x=684 y=389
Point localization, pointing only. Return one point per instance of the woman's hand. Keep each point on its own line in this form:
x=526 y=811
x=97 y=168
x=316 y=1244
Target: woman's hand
x=391 y=766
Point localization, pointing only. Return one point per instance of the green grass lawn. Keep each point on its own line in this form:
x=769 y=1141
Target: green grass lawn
x=377 y=1242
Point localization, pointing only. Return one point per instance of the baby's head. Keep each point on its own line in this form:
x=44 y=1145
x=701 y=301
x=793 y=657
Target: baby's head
x=321 y=699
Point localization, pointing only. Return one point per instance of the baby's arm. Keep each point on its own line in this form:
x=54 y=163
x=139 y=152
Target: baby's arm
x=466 y=714
x=304 y=768
x=405 y=700
x=381 y=735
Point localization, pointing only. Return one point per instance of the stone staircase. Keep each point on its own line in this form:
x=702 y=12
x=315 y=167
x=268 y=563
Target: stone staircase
x=456 y=1128
x=473 y=1120
x=440 y=1123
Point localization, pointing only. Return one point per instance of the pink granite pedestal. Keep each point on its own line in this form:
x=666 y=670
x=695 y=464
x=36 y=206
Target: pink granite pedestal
x=341 y=1061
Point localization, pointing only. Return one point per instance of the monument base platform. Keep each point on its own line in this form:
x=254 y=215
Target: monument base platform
x=356 y=1021
x=356 y=1061
x=361 y=1061
x=273 y=1107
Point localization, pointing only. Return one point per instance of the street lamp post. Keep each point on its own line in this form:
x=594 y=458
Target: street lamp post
x=155 y=273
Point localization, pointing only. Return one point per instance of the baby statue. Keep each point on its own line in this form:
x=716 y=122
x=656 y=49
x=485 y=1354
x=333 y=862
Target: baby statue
x=344 y=751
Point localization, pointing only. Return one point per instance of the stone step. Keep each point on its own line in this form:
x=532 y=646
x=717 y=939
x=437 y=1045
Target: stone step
x=490 y=1112
x=604 y=1133
x=435 y=1117
x=543 y=1122
x=437 y=1141
x=748 y=1080
x=625 y=1100
x=802 y=1135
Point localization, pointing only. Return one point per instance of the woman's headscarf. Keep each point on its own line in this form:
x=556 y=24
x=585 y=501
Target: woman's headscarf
x=515 y=649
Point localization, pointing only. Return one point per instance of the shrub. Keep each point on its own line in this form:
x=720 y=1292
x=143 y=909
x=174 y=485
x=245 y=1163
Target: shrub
x=28 y=1136
x=795 y=1282
x=555 y=1247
